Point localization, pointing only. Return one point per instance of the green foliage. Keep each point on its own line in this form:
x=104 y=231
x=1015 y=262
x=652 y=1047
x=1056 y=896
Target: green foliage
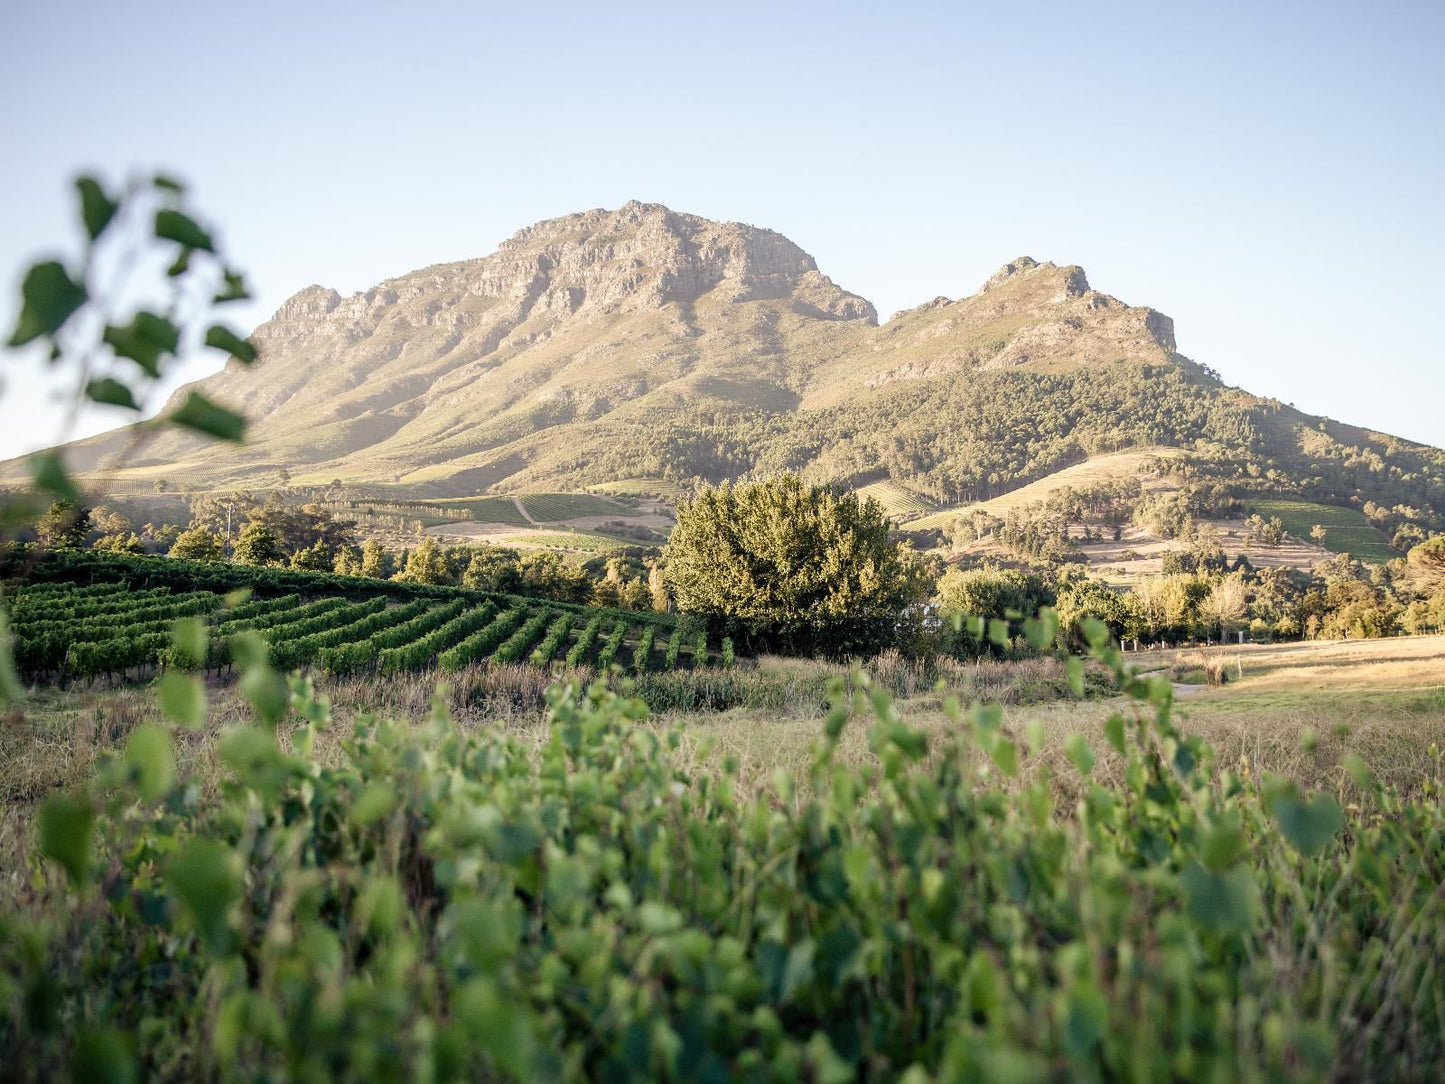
x=577 y=654
x=432 y=901
x=257 y=545
x=795 y=568
x=484 y=641
x=130 y=354
x=515 y=647
x=643 y=652
x=64 y=525
x=674 y=647
x=198 y=544
x=607 y=654
x=556 y=634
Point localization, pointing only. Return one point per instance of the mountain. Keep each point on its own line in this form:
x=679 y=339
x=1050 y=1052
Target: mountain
x=646 y=343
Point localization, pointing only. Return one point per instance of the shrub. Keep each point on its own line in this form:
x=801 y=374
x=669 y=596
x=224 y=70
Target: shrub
x=467 y=904
x=643 y=651
x=523 y=638
x=481 y=643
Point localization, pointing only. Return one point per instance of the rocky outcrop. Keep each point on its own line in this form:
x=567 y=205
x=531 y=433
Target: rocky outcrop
x=606 y=316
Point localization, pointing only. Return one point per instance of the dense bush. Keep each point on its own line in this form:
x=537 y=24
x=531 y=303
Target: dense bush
x=792 y=568
x=447 y=905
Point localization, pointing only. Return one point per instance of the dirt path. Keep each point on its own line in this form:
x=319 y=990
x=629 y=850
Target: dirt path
x=525 y=514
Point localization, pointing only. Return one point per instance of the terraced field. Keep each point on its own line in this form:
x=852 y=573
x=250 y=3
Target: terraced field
x=1346 y=529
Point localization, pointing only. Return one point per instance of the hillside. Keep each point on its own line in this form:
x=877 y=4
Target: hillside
x=646 y=348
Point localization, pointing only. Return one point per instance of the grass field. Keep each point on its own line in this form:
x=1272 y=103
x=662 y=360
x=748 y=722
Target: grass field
x=1095 y=469
x=897 y=500
x=1383 y=700
x=1346 y=529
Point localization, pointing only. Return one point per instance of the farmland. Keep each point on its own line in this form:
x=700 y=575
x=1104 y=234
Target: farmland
x=1346 y=530
x=898 y=501
x=118 y=624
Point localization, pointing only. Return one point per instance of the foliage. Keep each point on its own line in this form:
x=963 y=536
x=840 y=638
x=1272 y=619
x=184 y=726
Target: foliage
x=257 y=545
x=198 y=544
x=796 y=568
x=64 y=525
x=458 y=904
x=118 y=359
x=988 y=594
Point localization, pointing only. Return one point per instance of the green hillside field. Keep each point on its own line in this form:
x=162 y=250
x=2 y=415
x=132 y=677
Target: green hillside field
x=897 y=500
x=1346 y=529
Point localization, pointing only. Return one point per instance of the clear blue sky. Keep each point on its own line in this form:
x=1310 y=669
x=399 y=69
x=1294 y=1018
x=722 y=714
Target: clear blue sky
x=1269 y=174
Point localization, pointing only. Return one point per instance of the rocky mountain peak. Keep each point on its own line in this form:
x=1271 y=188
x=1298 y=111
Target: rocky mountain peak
x=1071 y=280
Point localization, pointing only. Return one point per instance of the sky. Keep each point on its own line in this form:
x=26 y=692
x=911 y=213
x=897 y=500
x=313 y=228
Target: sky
x=1268 y=174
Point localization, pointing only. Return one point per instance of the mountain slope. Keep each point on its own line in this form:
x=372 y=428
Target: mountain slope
x=643 y=343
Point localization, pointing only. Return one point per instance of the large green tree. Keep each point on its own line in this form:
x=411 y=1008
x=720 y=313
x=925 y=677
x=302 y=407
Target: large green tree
x=256 y=546
x=64 y=525
x=792 y=567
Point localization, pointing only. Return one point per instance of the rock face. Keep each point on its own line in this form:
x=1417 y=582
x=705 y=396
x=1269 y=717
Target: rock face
x=513 y=368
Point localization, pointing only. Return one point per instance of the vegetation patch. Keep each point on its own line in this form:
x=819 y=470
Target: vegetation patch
x=1346 y=530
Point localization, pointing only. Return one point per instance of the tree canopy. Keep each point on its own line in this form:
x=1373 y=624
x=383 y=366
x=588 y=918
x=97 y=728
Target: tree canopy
x=792 y=567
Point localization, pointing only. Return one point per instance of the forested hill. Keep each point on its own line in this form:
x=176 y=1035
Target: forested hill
x=646 y=344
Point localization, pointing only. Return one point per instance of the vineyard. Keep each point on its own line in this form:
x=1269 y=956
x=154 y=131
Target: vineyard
x=124 y=625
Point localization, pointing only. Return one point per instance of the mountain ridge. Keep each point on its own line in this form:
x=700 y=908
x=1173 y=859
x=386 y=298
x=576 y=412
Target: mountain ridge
x=646 y=342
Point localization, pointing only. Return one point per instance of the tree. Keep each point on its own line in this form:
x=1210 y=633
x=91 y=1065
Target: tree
x=988 y=593
x=64 y=526
x=1317 y=534
x=425 y=564
x=1083 y=596
x=657 y=588
x=792 y=567
x=1426 y=563
x=218 y=511
x=120 y=542
x=314 y=558
x=109 y=521
x=493 y=568
x=256 y=546
x=198 y=544
x=1225 y=603
x=347 y=561
x=375 y=561
x=545 y=575
x=297 y=528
